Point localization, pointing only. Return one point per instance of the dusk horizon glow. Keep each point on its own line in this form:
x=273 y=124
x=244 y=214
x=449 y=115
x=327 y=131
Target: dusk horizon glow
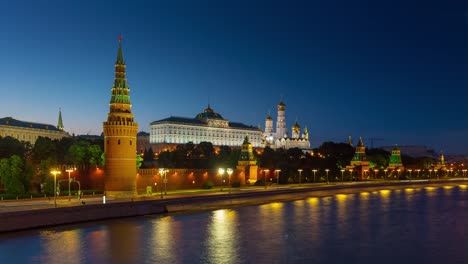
x=395 y=71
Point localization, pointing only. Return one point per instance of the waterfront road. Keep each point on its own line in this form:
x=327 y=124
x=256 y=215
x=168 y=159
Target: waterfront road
x=172 y=196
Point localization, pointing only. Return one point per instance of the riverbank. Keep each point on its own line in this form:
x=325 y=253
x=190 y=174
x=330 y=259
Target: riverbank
x=27 y=219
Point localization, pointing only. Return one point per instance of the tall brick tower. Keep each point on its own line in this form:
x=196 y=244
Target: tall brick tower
x=120 y=137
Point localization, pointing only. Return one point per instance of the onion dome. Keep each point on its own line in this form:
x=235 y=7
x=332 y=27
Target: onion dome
x=269 y=118
x=296 y=127
x=281 y=106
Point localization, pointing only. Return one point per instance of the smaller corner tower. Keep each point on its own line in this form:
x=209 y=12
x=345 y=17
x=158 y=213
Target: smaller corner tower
x=247 y=164
x=395 y=159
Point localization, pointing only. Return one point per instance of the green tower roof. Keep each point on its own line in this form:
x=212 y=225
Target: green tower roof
x=60 y=122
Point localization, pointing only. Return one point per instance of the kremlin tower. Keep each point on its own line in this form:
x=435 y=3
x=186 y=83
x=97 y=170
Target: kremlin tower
x=120 y=132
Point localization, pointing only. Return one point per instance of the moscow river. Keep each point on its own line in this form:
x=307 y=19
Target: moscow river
x=423 y=225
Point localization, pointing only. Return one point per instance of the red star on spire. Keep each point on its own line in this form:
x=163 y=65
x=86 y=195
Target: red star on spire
x=120 y=38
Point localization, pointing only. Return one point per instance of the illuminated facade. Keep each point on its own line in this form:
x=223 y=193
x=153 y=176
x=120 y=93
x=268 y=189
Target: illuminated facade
x=207 y=126
x=30 y=131
x=120 y=133
x=280 y=138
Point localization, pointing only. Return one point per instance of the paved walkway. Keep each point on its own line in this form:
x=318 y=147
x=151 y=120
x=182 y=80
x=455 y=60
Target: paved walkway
x=44 y=203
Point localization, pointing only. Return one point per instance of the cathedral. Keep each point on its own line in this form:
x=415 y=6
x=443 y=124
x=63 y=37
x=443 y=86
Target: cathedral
x=280 y=138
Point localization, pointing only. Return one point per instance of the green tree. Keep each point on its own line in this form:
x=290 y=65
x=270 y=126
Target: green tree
x=11 y=146
x=13 y=175
x=44 y=148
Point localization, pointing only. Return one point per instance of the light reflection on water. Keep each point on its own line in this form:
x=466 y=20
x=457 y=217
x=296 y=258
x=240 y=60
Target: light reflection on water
x=422 y=225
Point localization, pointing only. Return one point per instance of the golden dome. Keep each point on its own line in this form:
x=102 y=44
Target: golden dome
x=269 y=118
x=281 y=106
x=296 y=127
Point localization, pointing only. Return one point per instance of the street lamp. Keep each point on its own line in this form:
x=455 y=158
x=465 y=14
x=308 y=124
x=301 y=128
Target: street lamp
x=55 y=172
x=162 y=174
x=464 y=172
x=264 y=177
x=398 y=174
x=385 y=174
x=436 y=174
x=229 y=172
x=365 y=173
x=277 y=171
x=314 y=170
x=342 y=181
x=69 y=181
x=221 y=172
x=300 y=171
x=418 y=170
x=430 y=173
x=350 y=175
x=327 y=170
x=376 y=172
x=410 y=170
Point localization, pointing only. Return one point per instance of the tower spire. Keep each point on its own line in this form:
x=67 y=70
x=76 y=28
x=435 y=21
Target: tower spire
x=60 y=122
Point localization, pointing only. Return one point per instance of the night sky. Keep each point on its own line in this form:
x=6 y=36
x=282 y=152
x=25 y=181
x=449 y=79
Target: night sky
x=396 y=70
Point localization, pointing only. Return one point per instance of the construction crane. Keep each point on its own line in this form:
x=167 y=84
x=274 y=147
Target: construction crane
x=372 y=141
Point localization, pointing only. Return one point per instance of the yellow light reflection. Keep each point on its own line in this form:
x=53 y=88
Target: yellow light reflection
x=62 y=246
x=463 y=186
x=429 y=188
x=409 y=190
x=313 y=201
x=341 y=197
x=277 y=206
x=448 y=187
x=385 y=192
x=365 y=194
x=162 y=238
x=222 y=236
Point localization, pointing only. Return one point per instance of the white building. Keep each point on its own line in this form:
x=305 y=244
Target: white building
x=280 y=137
x=205 y=127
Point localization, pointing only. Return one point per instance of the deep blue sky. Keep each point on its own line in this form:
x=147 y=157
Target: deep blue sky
x=396 y=70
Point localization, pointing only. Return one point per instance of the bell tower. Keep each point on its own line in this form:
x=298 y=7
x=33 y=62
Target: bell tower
x=120 y=132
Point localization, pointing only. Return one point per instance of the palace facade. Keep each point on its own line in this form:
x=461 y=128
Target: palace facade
x=30 y=131
x=207 y=126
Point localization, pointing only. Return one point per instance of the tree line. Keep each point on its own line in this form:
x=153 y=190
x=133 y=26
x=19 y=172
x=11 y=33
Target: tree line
x=25 y=167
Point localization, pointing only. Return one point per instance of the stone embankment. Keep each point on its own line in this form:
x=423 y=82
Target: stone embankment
x=27 y=219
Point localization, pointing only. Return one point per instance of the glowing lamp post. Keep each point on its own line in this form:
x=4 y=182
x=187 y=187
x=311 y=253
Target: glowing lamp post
x=342 y=181
x=162 y=174
x=435 y=172
x=277 y=171
x=314 y=170
x=464 y=172
x=398 y=174
x=69 y=181
x=55 y=172
x=418 y=170
x=376 y=173
x=264 y=177
x=221 y=172
x=300 y=171
x=351 y=175
x=229 y=172
x=327 y=170
x=385 y=175
x=410 y=174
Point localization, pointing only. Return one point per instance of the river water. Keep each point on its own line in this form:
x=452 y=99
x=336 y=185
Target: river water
x=424 y=225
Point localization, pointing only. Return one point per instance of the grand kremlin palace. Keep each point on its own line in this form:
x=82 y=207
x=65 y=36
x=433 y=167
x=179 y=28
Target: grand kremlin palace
x=207 y=126
x=30 y=131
